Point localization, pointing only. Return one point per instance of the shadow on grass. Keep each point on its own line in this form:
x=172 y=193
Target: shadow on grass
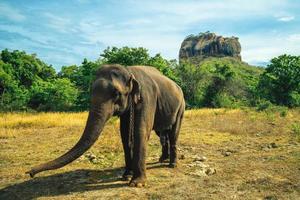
x=77 y=181
x=157 y=165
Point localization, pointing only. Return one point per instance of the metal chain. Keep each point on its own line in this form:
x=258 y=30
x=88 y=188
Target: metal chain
x=131 y=125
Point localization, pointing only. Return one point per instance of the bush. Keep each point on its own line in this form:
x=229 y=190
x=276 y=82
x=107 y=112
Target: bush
x=263 y=105
x=14 y=98
x=269 y=108
x=295 y=128
x=216 y=78
x=18 y=72
x=57 y=96
x=125 y=56
x=280 y=83
x=223 y=100
x=294 y=99
x=12 y=95
x=284 y=112
x=192 y=81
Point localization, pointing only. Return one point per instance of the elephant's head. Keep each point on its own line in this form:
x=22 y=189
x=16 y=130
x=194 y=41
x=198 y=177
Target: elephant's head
x=112 y=91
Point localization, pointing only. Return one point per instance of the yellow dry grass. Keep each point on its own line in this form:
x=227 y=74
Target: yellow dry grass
x=41 y=120
x=253 y=170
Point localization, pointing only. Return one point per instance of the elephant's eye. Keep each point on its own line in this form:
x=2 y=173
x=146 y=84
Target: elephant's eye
x=116 y=94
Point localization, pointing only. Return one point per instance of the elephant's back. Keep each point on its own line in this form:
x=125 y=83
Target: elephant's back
x=146 y=70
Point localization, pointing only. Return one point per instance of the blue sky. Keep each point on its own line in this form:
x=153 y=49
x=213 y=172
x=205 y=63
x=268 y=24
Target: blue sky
x=65 y=32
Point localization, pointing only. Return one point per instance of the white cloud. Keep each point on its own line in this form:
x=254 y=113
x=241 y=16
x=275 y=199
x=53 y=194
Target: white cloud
x=186 y=12
x=133 y=33
x=286 y=18
x=11 y=13
x=136 y=22
x=294 y=38
x=34 y=36
x=46 y=41
x=262 y=47
x=61 y=24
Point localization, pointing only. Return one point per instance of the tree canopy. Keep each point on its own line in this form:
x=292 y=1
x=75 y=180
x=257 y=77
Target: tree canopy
x=280 y=82
x=27 y=83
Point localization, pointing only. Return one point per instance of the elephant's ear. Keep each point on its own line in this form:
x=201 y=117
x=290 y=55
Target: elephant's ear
x=135 y=89
x=118 y=83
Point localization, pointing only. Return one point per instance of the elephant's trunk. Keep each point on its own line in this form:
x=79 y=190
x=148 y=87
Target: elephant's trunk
x=93 y=128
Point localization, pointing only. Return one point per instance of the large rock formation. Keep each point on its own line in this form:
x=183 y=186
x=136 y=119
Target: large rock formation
x=196 y=48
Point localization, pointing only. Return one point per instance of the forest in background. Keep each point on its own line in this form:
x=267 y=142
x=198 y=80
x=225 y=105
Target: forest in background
x=29 y=84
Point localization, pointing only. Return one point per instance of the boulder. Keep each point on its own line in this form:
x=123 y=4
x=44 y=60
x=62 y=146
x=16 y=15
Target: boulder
x=196 y=48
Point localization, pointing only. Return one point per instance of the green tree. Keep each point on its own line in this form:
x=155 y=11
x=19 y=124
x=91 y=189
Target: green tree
x=69 y=72
x=27 y=68
x=190 y=78
x=12 y=97
x=280 y=83
x=83 y=78
x=215 y=93
x=125 y=56
x=218 y=82
x=58 y=95
x=164 y=66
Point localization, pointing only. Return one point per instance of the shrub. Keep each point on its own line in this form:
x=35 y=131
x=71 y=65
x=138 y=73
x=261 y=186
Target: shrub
x=280 y=83
x=263 y=105
x=283 y=112
x=60 y=95
x=295 y=128
x=216 y=78
x=223 y=101
x=294 y=99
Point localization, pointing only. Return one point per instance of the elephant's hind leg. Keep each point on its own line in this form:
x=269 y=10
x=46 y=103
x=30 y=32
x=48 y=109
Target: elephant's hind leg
x=173 y=137
x=164 y=141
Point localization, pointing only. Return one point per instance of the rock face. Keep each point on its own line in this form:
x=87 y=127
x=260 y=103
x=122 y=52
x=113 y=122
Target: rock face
x=196 y=48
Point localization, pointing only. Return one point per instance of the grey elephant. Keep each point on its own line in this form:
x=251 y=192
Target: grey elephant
x=145 y=100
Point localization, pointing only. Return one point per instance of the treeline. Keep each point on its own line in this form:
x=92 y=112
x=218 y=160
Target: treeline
x=27 y=83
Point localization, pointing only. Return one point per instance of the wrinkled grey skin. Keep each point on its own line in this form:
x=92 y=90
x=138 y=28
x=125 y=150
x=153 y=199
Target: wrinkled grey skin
x=158 y=105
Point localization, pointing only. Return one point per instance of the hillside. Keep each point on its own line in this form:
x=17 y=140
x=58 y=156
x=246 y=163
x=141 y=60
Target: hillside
x=219 y=82
x=224 y=154
x=242 y=69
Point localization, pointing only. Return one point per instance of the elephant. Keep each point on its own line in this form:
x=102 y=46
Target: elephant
x=145 y=100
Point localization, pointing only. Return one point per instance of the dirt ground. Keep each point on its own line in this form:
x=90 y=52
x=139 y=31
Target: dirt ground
x=223 y=154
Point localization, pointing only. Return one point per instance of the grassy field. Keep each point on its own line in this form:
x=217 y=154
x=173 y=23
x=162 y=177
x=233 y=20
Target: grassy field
x=249 y=155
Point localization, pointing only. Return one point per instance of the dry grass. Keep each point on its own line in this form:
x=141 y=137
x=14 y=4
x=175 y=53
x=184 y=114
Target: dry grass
x=253 y=170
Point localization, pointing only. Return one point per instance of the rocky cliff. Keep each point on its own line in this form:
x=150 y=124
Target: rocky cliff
x=195 y=48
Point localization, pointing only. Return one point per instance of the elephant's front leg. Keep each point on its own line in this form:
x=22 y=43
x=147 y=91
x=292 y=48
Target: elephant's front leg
x=139 y=159
x=124 y=129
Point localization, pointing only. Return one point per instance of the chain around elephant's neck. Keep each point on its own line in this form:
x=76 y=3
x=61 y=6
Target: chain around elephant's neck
x=131 y=120
x=131 y=124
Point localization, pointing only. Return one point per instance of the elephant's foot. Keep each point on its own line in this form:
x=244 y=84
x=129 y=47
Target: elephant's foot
x=138 y=182
x=173 y=165
x=127 y=175
x=163 y=158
